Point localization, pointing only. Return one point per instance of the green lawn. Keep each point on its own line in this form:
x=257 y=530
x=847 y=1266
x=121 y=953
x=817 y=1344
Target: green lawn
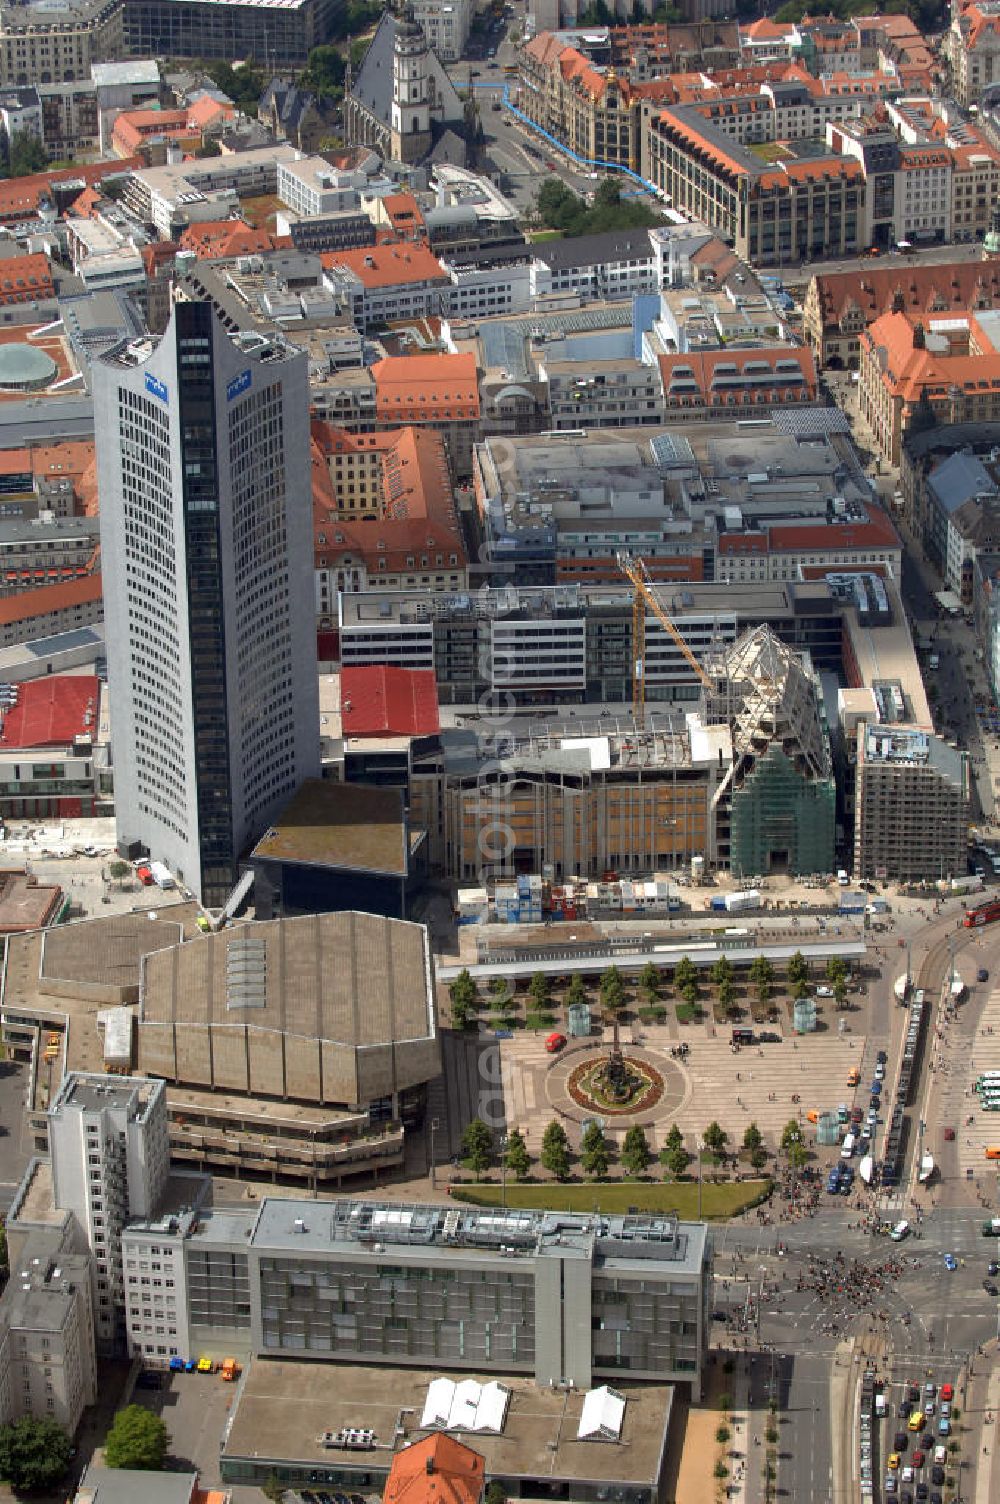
x=768 y=151
x=538 y=235
x=718 y=1201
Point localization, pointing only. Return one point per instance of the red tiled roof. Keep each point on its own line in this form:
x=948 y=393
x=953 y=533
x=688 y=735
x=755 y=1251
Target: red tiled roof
x=52 y=712
x=25 y=278
x=47 y=598
x=20 y=197
x=388 y=265
x=437 y=1470
x=412 y=387
x=384 y=701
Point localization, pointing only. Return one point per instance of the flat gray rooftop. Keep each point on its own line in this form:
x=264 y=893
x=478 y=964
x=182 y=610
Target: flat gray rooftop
x=288 y=1224
x=283 y=1407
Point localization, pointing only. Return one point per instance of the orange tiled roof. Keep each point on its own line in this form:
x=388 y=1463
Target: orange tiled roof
x=410 y=387
x=20 y=197
x=25 y=278
x=31 y=603
x=420 y=518
x=388 y=265
x=437 y=1470
x=217 y=238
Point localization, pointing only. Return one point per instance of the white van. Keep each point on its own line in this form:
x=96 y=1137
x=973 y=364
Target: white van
x=940 y=1456
x=899 y=1232
x=847 y=1147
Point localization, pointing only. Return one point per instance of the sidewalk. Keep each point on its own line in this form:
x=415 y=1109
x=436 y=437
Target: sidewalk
x=987 y=1440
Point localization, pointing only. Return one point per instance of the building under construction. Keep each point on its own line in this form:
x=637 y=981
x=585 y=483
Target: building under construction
x=779 y=786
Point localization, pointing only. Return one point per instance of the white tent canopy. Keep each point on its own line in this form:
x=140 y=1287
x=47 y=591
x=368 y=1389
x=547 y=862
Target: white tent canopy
x=602 y=1415
x=466 y=1406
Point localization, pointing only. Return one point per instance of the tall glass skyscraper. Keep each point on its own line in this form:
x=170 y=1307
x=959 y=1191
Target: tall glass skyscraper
x=207 y=561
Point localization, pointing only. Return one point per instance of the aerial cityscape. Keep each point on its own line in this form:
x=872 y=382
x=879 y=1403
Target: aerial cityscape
x=499 y=752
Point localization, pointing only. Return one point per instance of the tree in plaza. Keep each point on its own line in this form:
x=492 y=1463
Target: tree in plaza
x=477 y=1146
x=684 y=972
x=798 y=969
x=673 y=1154
x=119 y=870
x=753 y=1143
x=516 y=1157
x=762 y=976
x=34 y=1454
x=538 y=991
x=840 y=992
x=137 y=1439
x=576 y=992
x=796 y=1154
x=800 y=989
x=636 y=1153
x=649 y=981
x=555 y=1150
x=463 y=999
x=715 y=1138
x=727 y=992
x=722 y=971
x=836 y=971
x=689 y=992
x=495 y=1493
x=791 y=1133
x=594 y=1151
x=612 y=991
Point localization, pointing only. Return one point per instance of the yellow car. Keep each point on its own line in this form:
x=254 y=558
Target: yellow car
x=893 y=1461
x=205 y=1365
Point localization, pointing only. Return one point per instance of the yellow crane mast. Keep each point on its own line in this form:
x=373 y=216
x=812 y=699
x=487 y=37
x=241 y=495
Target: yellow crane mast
x=644 y=595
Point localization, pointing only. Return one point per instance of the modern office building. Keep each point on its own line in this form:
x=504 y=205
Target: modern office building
x=110 y=1162
x=561 y=1297
x=206 y=530
x=281 y=35
x=911 y=805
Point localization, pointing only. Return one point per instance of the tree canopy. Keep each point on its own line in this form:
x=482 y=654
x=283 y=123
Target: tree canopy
x=23 y=154
x=562 y=209
x=477 y=1146
x=34 y=1454
x=555 y=1150
x=244 y=85
x=138 y=1439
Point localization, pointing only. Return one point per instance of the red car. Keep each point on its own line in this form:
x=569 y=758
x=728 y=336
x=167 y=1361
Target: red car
x=947 y=1392
x=554 y=1043
x=917 y=1460
x=144 y=875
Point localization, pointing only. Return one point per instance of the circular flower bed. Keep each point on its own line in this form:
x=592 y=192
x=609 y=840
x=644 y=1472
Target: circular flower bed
x=584 y=1086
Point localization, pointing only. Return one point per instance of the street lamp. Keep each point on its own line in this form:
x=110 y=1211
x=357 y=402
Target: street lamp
x=435 y=1125
x=503 y=1171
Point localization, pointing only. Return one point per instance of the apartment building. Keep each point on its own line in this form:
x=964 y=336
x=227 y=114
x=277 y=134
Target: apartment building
x=914 y=373
x=604 y=393
x=54 y=761
x=41 y=44
x=797 y=207
x=972 y=46
x=42 y=612
x=47 y=1367
x=445 y=25
x=310 y=186
x=265 y=1281
x=385 y=283
x=839 y=306
x=911 y=805
x=400 y=479
x=110 y=1163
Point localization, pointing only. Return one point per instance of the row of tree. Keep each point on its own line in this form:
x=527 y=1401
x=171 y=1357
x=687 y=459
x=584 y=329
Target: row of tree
x=479 y=1150
x=612 y=995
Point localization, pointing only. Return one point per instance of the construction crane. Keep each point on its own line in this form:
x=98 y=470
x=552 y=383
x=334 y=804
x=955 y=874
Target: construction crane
x=644 y=594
